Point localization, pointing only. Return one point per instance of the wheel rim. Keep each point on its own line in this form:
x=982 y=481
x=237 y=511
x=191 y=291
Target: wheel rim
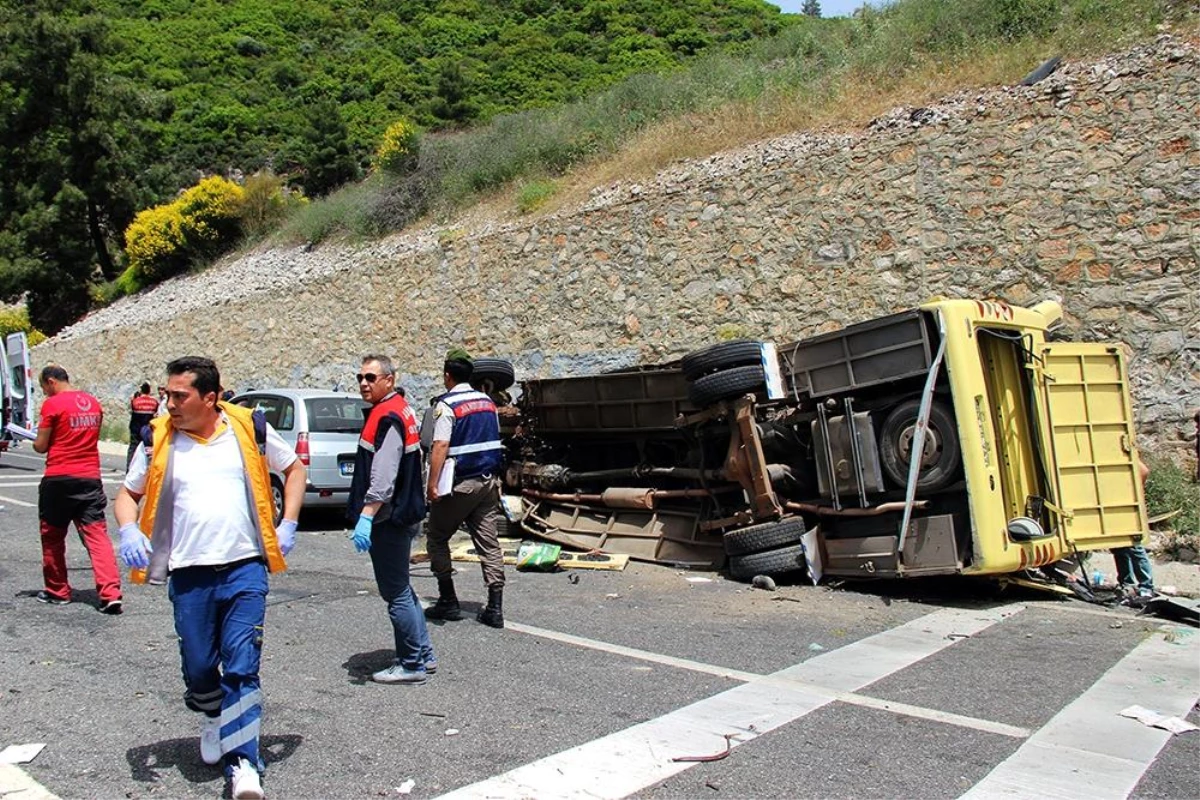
x=931 y=449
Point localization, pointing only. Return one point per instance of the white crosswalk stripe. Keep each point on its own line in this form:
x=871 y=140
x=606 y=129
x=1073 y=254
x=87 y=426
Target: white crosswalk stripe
x=1069 y=756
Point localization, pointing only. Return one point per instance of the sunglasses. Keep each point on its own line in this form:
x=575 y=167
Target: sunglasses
x=369 y=377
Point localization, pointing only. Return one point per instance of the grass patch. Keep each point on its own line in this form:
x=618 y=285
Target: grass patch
x=532 y=195
x=1169 y=489
x=115 y=431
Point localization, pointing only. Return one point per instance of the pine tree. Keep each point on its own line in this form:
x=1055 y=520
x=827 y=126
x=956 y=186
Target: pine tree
x=811 y=8
x=74 y=144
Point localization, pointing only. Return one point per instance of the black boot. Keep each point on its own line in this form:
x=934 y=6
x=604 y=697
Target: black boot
x=493 y=614
x=446 y=607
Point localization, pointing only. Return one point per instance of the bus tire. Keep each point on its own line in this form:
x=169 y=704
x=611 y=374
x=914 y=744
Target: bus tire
x=709 y=389
x=766 y=536
x=494 y=371
x=768 y=562
x=723 y=355
x=942 y=457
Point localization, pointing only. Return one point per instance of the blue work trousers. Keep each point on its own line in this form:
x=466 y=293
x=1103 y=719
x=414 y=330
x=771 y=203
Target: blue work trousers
x=391 y=548
x=1133 y=566
x=219 y=615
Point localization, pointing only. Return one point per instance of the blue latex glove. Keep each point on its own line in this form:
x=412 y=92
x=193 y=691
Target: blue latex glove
x=286 y=534
x=135 y=547
x=362 y=533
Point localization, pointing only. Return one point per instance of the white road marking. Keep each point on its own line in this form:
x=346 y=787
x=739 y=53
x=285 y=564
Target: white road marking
x=851 y=698
x=631 y=652
x=630 y=760
x=17 y=502
x=15 y=782
x=1087 y=749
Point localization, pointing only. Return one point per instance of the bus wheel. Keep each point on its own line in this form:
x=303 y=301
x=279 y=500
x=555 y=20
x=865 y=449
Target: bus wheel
x=939 y=456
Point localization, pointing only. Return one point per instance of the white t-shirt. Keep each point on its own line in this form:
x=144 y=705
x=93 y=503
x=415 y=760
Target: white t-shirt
x=211 y=520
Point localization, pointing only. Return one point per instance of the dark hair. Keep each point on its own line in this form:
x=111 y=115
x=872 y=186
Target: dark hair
x=56 y=372
x=205 y=376
x=458 y=369
x=145 y=388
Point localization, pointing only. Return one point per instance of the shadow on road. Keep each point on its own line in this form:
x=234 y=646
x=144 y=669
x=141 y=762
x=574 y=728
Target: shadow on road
x=149 y=761
x=360 y=666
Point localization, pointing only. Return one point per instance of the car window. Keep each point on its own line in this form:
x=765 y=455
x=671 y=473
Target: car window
x=335 y=414
x=279 y=411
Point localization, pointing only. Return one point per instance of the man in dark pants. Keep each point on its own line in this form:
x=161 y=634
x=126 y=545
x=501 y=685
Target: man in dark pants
x=387 y=505
x=206 y=528
x=142 y=409
x=71 y=490
x=467 y=431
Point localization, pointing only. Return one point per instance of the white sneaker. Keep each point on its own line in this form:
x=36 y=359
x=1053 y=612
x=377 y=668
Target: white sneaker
x=244 y=783
x=210 y=740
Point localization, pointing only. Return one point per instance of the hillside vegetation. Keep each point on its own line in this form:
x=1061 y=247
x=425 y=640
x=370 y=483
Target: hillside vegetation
x=266 y=82
x=112 y=107
x=837 y=72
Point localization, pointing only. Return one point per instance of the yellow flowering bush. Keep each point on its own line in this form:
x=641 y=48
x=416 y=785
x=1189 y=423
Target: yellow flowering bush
x=398 y=149
x=155 y=243
x=16 y=318
x=211 y=210
x=162 y=241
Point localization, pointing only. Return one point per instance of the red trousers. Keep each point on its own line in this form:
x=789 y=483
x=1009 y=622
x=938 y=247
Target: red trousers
x=99 y=547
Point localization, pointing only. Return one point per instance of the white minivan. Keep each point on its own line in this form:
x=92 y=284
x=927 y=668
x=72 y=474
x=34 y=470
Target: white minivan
x=323 y=427
x=16 y=388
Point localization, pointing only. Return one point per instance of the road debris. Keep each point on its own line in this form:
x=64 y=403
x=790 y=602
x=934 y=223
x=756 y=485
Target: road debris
x=20 y=753
x=1153 y=719
x=729 y=737
x=406 y=787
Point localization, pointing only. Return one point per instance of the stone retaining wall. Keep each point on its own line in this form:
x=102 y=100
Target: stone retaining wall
x=1084 y=188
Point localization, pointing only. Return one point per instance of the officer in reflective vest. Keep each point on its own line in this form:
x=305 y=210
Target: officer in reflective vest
x=466 y=445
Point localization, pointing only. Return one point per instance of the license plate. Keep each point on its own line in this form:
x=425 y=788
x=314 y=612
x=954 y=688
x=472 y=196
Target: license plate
x=346 y=467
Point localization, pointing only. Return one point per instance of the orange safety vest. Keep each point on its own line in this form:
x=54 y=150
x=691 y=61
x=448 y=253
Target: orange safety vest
x=258 y=479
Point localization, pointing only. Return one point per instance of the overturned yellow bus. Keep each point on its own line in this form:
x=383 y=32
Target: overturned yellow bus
x=954 y=438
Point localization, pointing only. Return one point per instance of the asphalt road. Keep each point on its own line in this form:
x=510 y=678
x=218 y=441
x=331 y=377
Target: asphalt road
x=924 y=690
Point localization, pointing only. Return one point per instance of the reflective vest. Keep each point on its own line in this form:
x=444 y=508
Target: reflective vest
x=258 y=488
x=408 y=493
x=475 y=439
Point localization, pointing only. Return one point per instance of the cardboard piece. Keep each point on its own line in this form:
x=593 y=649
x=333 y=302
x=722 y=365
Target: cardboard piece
x=20 y=753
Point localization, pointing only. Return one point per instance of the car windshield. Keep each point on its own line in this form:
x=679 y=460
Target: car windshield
x=335 y=414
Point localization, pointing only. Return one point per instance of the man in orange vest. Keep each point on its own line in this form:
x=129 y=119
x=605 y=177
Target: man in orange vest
x=207 y=467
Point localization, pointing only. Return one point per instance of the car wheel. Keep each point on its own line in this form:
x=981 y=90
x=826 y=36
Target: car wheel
x=490 y=375
x=769 y=562
x=709 y=389
x=767 y=536
x=721 y=356
x=277 y=500
x=940 y=455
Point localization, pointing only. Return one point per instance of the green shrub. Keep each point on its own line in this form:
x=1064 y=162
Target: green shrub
x=266 y=202
x=1169 y=488
x=532 y=195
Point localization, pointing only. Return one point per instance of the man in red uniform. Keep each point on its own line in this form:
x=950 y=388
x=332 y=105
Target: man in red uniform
x=71 y=490
x=142 y=409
